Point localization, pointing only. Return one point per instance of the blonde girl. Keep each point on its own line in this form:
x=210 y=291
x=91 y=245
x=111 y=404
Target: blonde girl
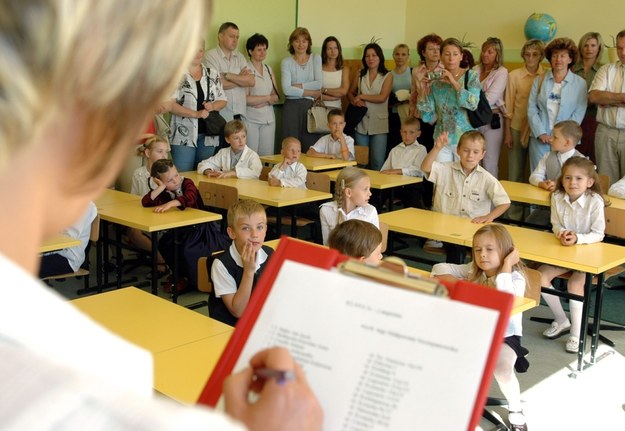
x=577 y=217
x=154 y=148
x=496 y=263
x=351 y=201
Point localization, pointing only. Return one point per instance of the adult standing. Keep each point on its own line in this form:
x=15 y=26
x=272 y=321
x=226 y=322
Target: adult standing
x=301 y=84
x=335 y=73
x=556 y=96
x=71 y=372
x=233 y=70
x=590 y=49
x=608 y=92
x=198 y=93
x=493 y=78
x=371 y=88
x=259 y=117
x=443 y=98
x=402 y=80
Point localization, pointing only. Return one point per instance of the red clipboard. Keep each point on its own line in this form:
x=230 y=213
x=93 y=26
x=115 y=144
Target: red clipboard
x=324 y=258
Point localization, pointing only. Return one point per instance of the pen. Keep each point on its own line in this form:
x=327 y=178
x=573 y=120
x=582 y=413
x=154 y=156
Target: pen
x=281 y=376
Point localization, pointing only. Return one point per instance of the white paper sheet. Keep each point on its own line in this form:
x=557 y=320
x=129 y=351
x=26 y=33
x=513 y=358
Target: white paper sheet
x=377 y=357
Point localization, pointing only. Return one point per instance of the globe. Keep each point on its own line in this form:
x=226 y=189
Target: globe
x=540 y=26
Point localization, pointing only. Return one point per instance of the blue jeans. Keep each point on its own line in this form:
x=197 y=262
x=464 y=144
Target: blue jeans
x=187 y=158
x=377 y=148
x=537 y=150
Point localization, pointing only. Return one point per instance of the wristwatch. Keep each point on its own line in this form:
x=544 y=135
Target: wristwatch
x=226 y=76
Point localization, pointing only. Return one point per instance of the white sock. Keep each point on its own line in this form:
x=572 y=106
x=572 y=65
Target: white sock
x=555 y=305
x=576 y=317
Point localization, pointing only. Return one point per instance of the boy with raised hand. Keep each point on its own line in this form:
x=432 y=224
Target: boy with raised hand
x=336 y=145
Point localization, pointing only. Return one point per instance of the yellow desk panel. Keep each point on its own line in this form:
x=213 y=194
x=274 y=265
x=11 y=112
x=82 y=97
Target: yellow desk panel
x=526 y=193
x=382 y=181
x=312 y=163
x=113 y=197
x=181 y=372
x=132 y=214
x=58 y=242
x=147 y=320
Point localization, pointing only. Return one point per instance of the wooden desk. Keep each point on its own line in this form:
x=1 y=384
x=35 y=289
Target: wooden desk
x=132 y=214
x=114 y=197
x=58 y=242
x=526 y=193
x=149 y=321
x=314 y=164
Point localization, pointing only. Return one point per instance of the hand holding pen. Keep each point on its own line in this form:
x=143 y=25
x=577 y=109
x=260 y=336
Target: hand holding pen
x=285 y=401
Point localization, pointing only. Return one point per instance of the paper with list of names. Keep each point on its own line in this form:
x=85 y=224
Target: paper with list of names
x=377 y=357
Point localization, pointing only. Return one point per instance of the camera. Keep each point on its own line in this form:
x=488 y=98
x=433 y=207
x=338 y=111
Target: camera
x=435 y=75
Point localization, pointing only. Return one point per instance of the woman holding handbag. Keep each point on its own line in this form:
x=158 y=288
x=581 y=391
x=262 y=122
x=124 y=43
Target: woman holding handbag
x=260 y=119
x=371 y=89
x=199 y=93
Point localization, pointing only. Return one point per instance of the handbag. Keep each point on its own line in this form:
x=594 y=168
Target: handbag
x=354 y=115
x=482 y=115
x=317 y=117
x=215 y=123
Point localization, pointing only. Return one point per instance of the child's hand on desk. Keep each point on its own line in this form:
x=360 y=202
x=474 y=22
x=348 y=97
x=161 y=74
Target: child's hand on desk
x=212 y=174
x=273 y=181
x=162 y=208
x=227 y=174
x=567 y=237
x=482 y=219
x=281 y=406
x=391 y=172
x=548 y=185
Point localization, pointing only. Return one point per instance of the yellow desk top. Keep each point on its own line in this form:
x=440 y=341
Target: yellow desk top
x=181 y=372
x=262 y=192
x=132 y=214
x=312 y=163
x=526 y=193
x=147 y=320
x=382 y=181
x=113 y=197
x=58 y=242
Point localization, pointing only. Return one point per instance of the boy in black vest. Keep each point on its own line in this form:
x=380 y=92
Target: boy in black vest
x=234 y=272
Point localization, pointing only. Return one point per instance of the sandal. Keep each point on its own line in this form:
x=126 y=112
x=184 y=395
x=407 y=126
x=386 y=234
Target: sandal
x=517 y=421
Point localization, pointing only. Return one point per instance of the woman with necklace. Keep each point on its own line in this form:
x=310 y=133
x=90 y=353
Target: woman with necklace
x=301 y=84
x=493 y=78
x=590 y=49
x=442 y=97
x=402 y=80
x=335 y=73
x=556 y=96
x=260 y=119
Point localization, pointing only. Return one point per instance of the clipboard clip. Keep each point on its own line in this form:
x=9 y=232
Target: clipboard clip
x=394 y=271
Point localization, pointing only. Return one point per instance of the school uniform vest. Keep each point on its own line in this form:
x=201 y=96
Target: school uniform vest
x=216 y=308
x=553 y=165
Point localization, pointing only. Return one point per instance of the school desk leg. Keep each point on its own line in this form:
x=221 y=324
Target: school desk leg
x=154 y=236
x=596 y=326
x=294 y=222
x=278 y=222
x=584 y=328
x=118 y=252
x=105 y=231
x=174 y=290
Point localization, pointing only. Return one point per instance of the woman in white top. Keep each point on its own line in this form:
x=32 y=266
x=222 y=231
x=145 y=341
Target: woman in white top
x=335 y=74
x=259 y=117
x=371 y=88
x=493 y=78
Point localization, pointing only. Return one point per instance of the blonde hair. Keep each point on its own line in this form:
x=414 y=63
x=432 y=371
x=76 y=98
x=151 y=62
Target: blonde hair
x=92 y=59
x=585 y=38
x=505 y=245
x=355 y=238
x=234 y=126
x=149 y=141
x=245 y=207
x=472 y=136
x=570 y=130
x=346 y=179
x=290 y=140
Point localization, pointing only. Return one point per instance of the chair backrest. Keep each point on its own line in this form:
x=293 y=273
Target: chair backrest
x=216 y=195
x=614 y=223
x=384 y=230
x=264 y=173
x=532 y=287
x=203 y=280
x=362 y=155
x=604 y=180
x=318 y=181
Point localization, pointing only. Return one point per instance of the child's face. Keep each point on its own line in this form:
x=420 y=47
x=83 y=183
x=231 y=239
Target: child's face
x=409 y=134
x=375 y=257
x=360 y=193
x=486 y=254
x=237 y=141
x=559 y=143
x=249 y=230
x=159 y=150
x=291 y=152
x=576 y=181
x=171 y=179
x=471 y=153
x=336 y=124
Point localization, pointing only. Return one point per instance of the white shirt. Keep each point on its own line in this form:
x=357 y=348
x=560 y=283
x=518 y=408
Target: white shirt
x=249 y=165
x=329 y=215
x=540 y=173
x=617 y=189
x=294 y=175
x=585 y=216
x=408 y=158
x=327 y=145
x=142 y=182
x=217 y=59
x=610 y=77
x=513 y=283
x=471 y=196
x=81 y=230
x=223 y=282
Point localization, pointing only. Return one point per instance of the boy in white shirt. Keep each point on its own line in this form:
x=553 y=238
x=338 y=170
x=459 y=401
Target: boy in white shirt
x=238 y=161
x=289 y=173
x=336 y=145
x=617 y=189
